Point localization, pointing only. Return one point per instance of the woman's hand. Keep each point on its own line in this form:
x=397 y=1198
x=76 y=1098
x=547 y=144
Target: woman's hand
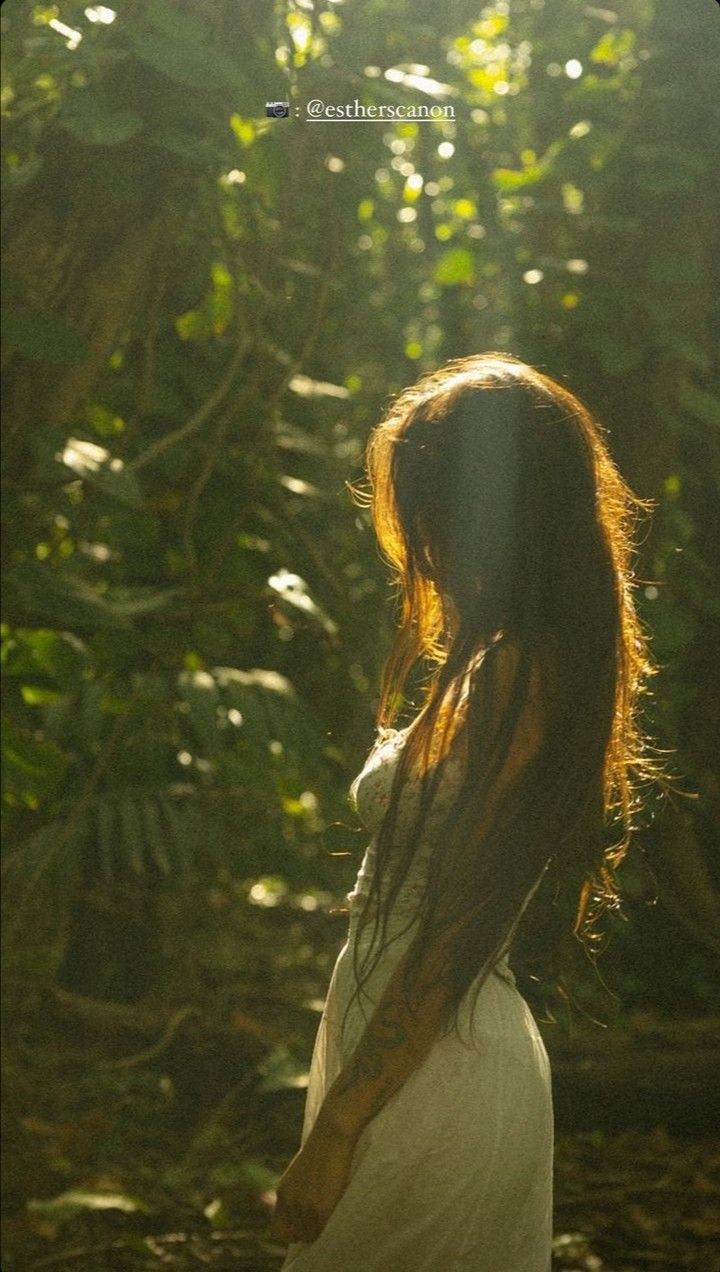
x=313 y=1184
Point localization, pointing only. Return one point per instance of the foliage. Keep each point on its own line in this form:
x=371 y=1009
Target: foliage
x=283 y=279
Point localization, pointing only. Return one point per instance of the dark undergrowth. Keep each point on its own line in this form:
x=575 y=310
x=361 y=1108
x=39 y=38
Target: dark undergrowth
x=151 y=1134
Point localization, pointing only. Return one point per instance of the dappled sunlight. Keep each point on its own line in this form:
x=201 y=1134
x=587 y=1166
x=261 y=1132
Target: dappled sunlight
x=100 y=13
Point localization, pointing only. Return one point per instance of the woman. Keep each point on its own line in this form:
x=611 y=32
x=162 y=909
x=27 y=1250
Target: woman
x=428 y=1134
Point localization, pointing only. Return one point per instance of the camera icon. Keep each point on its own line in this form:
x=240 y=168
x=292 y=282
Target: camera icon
x=277 y=110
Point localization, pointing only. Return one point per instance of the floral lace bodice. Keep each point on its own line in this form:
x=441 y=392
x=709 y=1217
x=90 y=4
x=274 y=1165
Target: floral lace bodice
x=370 y=793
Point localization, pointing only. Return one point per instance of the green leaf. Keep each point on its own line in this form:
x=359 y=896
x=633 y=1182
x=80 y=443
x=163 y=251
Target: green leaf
x=58 y=655
x=703 y=406
x=193 y=65
x=92 y=123
x=455 y=267
x=133 y=838
x=259 y=1176
x=58 y=597
x=33 y=766
x=243 y=694
x=135 y=602
x=296 y=598
x=156 y=836
x=47 y=862
x=17 y=177
x=218 y=1214
x=195 y=152
x=176 y=25
x=76 y=1200
x=281 y=1071
x=611 y=47
x=200 y=692
x=180 y=818
x=43 y=337
x=244 y=129
x=193 y=325
x=96 y=466
x=106 y=832
x=508 y=179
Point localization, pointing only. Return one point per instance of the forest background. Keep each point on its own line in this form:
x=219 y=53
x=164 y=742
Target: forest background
x=205 y=311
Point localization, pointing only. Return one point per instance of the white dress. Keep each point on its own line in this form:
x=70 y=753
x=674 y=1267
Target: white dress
x=454 y=1174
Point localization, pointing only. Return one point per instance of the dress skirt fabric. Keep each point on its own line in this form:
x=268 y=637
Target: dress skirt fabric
x=454 y=1174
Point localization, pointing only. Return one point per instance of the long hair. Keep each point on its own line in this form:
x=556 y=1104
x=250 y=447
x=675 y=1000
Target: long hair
x=509 y=532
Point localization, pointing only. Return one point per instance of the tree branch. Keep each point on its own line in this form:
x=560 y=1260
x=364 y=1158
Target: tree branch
x=204 y=412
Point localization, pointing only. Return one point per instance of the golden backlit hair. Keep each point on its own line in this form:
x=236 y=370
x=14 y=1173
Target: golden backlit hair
x=509 y=533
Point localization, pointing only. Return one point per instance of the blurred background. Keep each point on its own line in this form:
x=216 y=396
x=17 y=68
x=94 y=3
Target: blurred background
x=204 y=312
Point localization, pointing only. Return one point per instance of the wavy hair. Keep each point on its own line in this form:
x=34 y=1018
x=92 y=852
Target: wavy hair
x=509 y=532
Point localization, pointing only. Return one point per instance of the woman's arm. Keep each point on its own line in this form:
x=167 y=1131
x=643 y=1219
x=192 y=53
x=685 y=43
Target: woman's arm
x=399 y=1035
